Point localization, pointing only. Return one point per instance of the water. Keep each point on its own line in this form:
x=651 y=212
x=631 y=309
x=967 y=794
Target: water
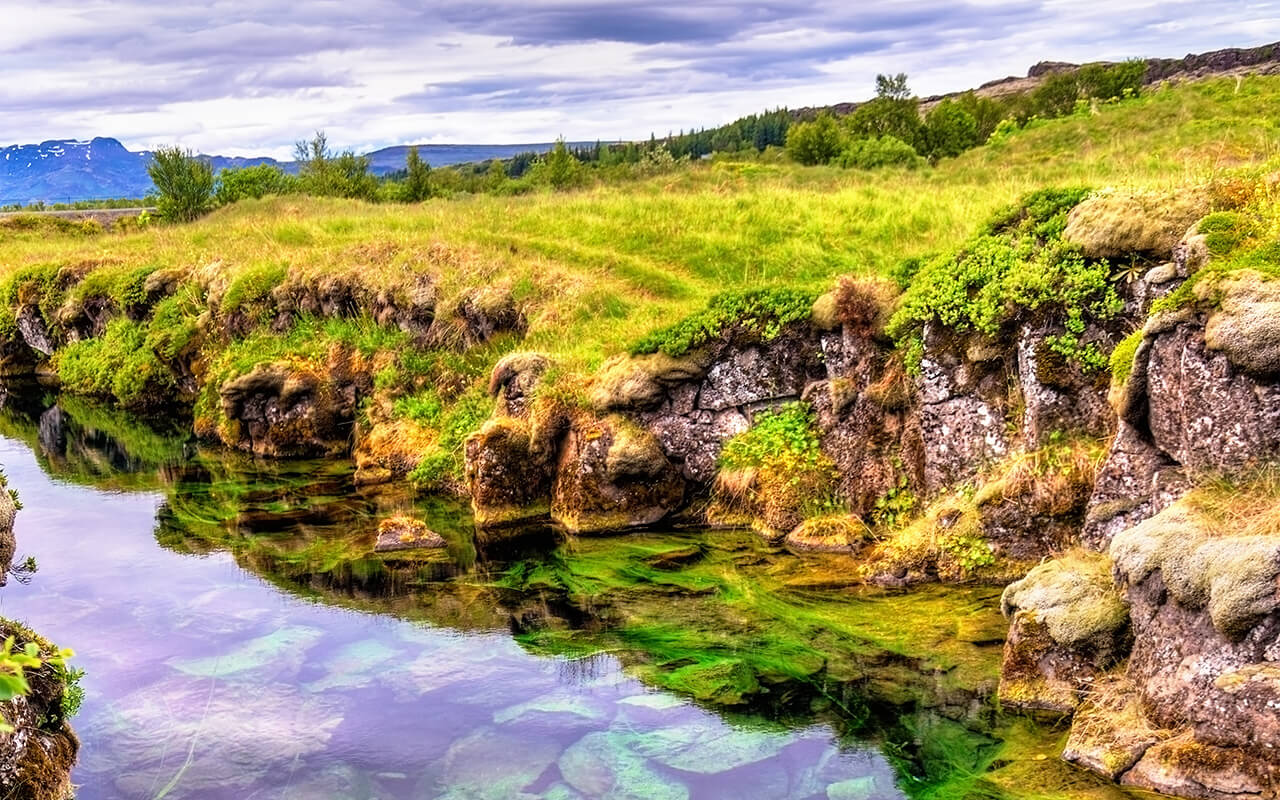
x=241 y=642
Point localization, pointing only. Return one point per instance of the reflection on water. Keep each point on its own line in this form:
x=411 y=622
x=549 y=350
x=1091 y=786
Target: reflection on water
x=242 y=641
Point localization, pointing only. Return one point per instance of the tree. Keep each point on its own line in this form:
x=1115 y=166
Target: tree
x=949 y=130
x=258 y=180
x=327 y=175
x=558 y=169
x=887 y=116
x=815 y=142
x=893 y=87
x=184 y=184
x=417 y=183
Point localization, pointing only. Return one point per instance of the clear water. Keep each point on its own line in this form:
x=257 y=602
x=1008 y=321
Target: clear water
x=212 y=675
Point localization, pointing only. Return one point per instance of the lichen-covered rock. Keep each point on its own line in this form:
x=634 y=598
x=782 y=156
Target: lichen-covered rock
x=962 y=411
x=34 y=332
x=843 y=533
x=1205 y=606
x=1136 y=481
x=1185 y=767
x=1067 y=627
x=641 y=382
x=294 y=408
x=1058 y=396
x=1246 y=324
x=612 y=475
x=405 y=533
x=508 y=479
x=1202 y=411
x=1115 y=224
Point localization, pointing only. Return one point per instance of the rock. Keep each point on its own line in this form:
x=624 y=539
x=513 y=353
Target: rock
x=1205 y=607
x=1109 y=733
x=1067 y=627
x=1118 y=224
x=509 y=483
x=1137 y=480
x=962 y=411
x=613 y=475
x=1246 y=324
x=605 y=765
x=288 y=408
x=8 y=543
x=491 y=764
x=774 y=372
x=1184 y=767
x=694 y=440
x=478 y=316
x=1058 y=396
x=642 y=382
x=405 y=533
x=835 y=534
x=37 y=755
x=33 y=330
x=513 y=380
x=1204 y=413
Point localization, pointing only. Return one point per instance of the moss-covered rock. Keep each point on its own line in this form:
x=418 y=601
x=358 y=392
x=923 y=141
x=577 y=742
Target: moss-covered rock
x=36 y=756
x=837 y=533
x=637 y=382
x=612 y=475
x=1109 y=732
x=1120 y=223
x=508 y=482
x=1246 y=323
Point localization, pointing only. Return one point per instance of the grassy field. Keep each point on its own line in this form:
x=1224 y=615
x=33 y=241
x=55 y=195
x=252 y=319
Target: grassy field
x=596 y=269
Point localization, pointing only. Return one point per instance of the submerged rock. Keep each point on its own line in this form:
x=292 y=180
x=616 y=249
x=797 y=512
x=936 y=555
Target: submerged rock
x=405 y=533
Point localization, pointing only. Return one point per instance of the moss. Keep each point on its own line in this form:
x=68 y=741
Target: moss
x=1233 y=576
x=1122 y=357
x=642 y=381
x=1245 y=325
x=1073 y=596
x=1121 y=223
x=117 y=365
x=834 y=532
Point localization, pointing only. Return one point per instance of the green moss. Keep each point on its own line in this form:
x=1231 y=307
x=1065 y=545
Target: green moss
x=117 y=365
x=1225 y=231
x=252 y=283
x=759 y=313
x=1073 y=596
x=174 y=323
x=444 y=463
x=1122 y=356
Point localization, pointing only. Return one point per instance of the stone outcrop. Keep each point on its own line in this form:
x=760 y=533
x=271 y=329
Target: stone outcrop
x=1067 y=627
x=508 y=478
x=290 y=408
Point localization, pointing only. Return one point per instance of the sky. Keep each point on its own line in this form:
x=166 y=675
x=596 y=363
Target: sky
x=250 y=77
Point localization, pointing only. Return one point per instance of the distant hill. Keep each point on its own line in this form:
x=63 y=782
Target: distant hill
x=67 y=170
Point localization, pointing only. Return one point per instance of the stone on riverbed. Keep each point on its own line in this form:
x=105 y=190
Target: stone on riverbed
x=406 y=533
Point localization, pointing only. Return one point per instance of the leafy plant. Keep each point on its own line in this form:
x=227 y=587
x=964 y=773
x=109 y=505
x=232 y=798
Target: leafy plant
x=184 y=184
x=762 y=313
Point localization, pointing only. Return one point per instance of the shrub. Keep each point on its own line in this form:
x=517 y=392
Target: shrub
x=326 y=174
x=886 y=151
x=184 y=184
x=949 y=130
x=255 y=181
x=815 y=142
x=887 y=116
x=761 y=313
x=558 y=169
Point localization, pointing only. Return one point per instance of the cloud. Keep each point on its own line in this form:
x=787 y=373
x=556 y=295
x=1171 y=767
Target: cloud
x=251 y=76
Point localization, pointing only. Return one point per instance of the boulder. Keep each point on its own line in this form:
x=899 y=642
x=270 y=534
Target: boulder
x=1058 y=395
x=1136 y=481
x=1068 y=626
x=613 y=475
x=1121 y=223
x=842 y=533
x=1109 y=732
x=1245 y=325
x=8 y=544
x=294 y=408
x=32 y=329
x=406 y=533
x=1184 y=767
x=508 y=481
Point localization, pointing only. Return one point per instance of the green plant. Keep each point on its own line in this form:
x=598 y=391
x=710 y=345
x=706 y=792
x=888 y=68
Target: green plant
x=184 y=184
x=14 y=663
x=896 y=506
x=762 y=313
x=949 y=130
x=256 y=181
x=815 y=142
x=887 y=151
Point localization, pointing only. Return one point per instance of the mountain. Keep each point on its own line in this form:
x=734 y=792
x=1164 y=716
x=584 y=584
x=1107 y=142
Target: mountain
x=66 y=170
